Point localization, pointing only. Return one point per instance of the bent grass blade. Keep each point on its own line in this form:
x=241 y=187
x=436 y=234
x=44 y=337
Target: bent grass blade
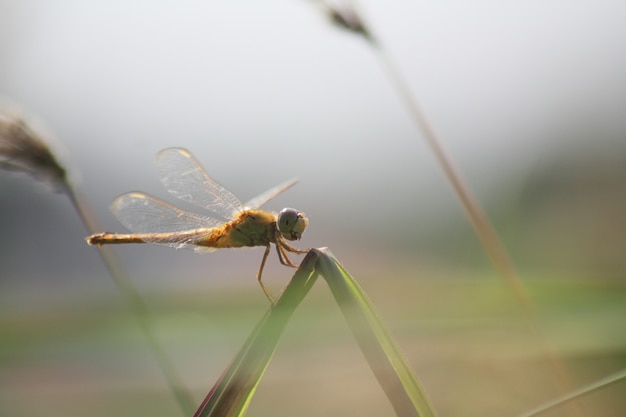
x=233 y=392
x=389 y=365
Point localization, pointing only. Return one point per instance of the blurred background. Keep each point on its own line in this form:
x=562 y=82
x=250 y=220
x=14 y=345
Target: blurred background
x=528 y=97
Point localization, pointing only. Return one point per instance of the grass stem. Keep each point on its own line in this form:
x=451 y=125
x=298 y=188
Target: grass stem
x=588 y=389
x=349 y=18
x=484 y=230
x=136 y=303
x=23 y=149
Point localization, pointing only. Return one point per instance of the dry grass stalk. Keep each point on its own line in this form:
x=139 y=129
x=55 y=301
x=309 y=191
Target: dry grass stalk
x=22 y=149
x=348 y=17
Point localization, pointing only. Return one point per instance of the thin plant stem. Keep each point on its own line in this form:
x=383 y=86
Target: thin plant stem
x=23 y=149
x=484 y=230
x=350 y=18
x=137 y=305
x=586 y=390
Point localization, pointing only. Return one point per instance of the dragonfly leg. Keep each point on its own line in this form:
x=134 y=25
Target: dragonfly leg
x=282 y=256
x=266 y=290
x=290 y=248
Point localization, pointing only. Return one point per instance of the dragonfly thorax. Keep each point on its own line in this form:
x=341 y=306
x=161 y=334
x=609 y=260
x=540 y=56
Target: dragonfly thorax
x=291 y=223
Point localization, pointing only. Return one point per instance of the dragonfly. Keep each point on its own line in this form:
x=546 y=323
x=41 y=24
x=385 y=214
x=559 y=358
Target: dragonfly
x=229 y=223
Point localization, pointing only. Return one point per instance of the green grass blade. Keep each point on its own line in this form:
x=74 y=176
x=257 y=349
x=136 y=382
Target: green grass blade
x=588 y=389
x=232 y=393
x=382 y=353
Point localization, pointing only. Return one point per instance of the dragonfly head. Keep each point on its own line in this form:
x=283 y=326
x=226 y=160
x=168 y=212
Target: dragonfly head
x=291 y=223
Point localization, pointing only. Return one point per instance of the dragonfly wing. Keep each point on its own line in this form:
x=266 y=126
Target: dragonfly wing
x=183 y=176
x=261 y=199
x=141 y=213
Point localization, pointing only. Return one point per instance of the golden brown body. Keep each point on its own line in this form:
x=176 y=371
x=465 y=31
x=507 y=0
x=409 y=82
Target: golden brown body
x=249 y=228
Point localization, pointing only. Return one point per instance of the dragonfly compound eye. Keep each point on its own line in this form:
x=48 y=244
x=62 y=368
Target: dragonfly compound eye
x=291 y=223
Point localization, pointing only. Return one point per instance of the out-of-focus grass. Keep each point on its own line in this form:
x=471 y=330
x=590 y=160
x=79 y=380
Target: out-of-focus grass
x=460 y=330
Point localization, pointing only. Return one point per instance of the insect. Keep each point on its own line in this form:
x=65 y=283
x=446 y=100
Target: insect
x=231 y=224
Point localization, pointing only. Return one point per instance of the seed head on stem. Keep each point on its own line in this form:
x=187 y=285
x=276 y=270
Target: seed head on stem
x=23 y=149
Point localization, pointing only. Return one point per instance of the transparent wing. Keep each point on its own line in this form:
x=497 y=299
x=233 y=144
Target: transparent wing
x=141 y=213
x=259 y=200
x=184 y=177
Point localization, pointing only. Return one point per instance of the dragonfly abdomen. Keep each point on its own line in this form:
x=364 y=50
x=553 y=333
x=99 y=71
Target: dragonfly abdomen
x=175 y=239
x=111 y=238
